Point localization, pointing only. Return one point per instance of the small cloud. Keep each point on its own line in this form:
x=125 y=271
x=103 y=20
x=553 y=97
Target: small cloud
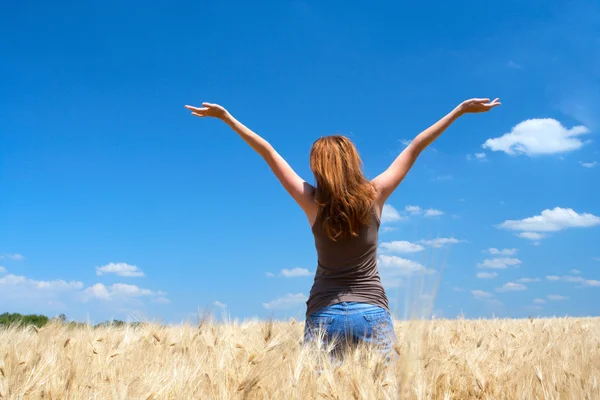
x=530 y=236
x=291 y=273
x=589 y=164
x=539 y=301
x=11 y=257
x=118 y=291
x=528 y=280
x=394 y=265
x=553 y=220
x=499 y=263
x=295 y=272
x=477 y=156
x=538 y=137
x=389 y=214
x=440 y=242
x=511 y=287
x=405 y=142
x=503 y=252
x=414 y=210
x=457 y=289
x=443 y=178
x=487 y=275
x=480 y=294
x=574 y=279
x=120 y=269
x=2 y=270
x=286 y=302
x=513 y=65
x=401 y=246
x=575 y=271
x=386 y=229
x=33 y=284
x=556 y=297
x=430 y=212
x=217 y=303
x=162 y=300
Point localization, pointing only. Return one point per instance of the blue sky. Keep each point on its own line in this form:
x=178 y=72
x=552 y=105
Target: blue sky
x=115 y=202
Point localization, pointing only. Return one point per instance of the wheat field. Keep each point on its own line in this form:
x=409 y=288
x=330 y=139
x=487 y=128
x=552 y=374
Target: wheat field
x=439 y=359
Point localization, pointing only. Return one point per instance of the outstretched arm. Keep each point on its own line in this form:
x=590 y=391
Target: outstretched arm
x=389 y=180
x=297 y=187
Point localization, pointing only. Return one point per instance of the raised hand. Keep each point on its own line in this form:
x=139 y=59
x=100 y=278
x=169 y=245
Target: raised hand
x=478 y=105
x=208 y=110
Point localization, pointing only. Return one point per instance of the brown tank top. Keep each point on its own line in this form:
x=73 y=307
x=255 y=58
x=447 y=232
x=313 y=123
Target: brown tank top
x=347 y=268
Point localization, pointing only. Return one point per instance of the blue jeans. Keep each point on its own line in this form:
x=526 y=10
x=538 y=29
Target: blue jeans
x=351 y=323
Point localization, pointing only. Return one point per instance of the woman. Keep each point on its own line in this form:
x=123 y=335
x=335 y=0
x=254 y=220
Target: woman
x=347 y=301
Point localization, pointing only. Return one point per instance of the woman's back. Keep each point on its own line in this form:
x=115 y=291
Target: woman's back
x=347 y=267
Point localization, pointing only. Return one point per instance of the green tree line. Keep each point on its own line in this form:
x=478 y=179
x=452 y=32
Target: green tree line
x=16 y=319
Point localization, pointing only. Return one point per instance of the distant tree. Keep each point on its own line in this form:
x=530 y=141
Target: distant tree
x=7 y=319
x=62 y=318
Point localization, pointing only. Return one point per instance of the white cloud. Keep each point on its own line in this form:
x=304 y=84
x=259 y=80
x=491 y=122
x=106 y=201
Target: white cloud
x=528 y=280
x=556 y=297
x=120 y=269
x=552 y=221
x=575 y=271
x=55 y=285
x=511 y=287
x=530 y=235
x=162 y=300
x=589 y=164
x=480 y=156
x=503 y=252
x=487 y=275
x=401 y=246
x=480 y=294
x=295 y=272
x=514 y=65
x=499 y=263
x=539 y=301
x=457 y=289
x=98 y=291
x=574 y=279
x=288 y=301
x=430 y=212
x=291 y=273
x=12 y=257
x=440 y=242
x=118 y=291
x=538 y=136
x=395 y=265
x=387 y=229
x=415 y=210
x=2 y=270
x=389 y=214
x=217 y=303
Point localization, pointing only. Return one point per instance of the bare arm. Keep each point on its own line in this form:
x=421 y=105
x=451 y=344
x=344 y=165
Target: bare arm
x=297 y=187
x=389 y=180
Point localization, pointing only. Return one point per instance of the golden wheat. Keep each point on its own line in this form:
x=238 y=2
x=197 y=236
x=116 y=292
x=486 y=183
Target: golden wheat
x=440 y=359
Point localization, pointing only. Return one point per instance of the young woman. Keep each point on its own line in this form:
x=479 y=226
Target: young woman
x=347 y=301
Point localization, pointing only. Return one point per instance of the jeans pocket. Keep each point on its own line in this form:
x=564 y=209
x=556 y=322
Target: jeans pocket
x=381 y=325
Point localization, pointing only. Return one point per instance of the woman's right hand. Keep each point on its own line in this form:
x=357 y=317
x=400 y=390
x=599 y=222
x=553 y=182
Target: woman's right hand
x=478 y=105
x=209 y=110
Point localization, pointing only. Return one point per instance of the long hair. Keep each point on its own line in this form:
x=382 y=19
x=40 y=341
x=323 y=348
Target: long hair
x=344 y=196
